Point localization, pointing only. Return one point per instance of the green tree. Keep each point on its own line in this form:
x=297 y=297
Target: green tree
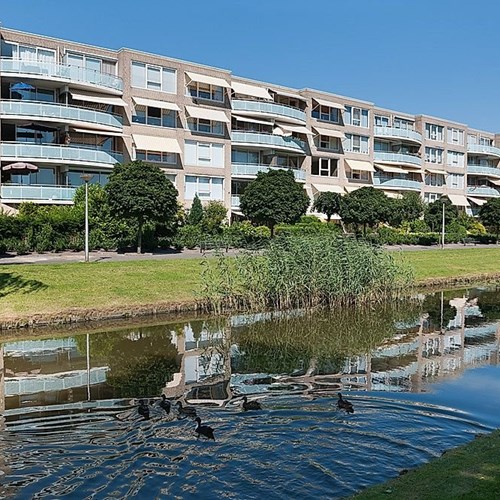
x=366 y=206
x=274 y=197
x=328 y=203
x=408 y=208
x=489 y=214
x=141 y=193
x=195 y=214
x=214 y=214
x=434 y=213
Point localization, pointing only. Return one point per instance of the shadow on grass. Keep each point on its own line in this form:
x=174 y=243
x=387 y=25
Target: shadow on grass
x=14 y=283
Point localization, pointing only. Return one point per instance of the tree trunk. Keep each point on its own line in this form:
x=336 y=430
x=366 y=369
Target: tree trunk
x=271 y=227
x=139 y=238
x=328 y=217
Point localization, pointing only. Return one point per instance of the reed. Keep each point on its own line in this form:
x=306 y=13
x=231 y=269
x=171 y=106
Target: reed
x=304 y=272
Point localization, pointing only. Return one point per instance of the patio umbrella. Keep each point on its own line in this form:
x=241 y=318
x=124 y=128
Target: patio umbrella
x=20 y=167
x=21 y=86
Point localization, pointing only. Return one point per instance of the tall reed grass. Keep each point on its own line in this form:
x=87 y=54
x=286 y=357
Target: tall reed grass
x=303 y=272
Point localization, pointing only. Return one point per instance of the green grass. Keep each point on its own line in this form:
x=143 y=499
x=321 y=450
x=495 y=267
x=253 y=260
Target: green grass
x=471 y=471
x=50 y=288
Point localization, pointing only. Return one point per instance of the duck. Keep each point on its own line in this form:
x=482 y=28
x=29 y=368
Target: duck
x=344 y=404
x=165 y=403
x=185 y=411
x=143 y=409
x=203 y=430
x=251 y=405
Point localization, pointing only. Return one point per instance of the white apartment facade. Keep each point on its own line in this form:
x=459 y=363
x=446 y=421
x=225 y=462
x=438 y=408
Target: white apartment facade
x=68 y=108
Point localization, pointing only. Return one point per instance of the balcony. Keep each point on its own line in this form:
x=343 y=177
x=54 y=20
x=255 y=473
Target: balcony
x=398 y=133
x=482 y=170
x=484 y=150
x=396 y=183
x=269 y=109
x=47 y=111
x=251 y=170
x=17 y=151
x=61 y=72
x=17 y=193
x=235 y=201
x=482 y=191
x=269 y=140
x=399 y=158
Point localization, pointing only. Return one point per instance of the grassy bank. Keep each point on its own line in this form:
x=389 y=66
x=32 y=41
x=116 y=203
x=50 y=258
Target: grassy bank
x=27 y=290
x=471 y=471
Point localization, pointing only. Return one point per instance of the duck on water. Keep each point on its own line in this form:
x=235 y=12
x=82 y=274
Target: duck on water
x=251 y=405
x=203 y=430
x=343 y=404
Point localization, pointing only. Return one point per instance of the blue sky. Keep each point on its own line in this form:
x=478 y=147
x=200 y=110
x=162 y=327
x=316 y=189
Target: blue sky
x=436 y=57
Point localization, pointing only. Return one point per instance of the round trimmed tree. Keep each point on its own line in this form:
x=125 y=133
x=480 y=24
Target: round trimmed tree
x=489 y=214
x=328 y=203
x=274 y=197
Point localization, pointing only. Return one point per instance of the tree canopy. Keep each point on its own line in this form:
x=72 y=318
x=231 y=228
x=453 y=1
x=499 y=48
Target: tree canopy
x=434 y=213
x=408 y=208
x=195 y=214
x=489 y=214
x=274 y=197
x=366 y=206
x=328 y=203
x=141 y=193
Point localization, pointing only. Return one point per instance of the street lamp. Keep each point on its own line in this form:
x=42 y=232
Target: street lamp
x=442 y=228
x=86 y=178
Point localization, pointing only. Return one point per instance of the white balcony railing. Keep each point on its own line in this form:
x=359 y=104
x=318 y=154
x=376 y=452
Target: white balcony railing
x=482 y=191
x=251 y=170
x=269 y=108
x=482 y=149
x=384 y=156
x=391 y=182
x=398 y=133
x=20 y=193
x=269 y=140
x=482 y=170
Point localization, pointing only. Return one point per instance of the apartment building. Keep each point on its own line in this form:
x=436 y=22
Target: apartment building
x=68 y=108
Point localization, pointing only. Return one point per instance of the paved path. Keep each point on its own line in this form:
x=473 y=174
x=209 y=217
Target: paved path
x=59 y=258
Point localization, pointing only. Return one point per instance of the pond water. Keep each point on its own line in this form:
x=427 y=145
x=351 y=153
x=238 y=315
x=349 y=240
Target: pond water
x=423 y=376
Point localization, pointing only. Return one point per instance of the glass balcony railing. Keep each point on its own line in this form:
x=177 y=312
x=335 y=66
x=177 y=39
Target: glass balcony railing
x=17 y=151
x=269 y=108
x=397 y=157
x=482 y=149
x=482 y=191
x=391 y=182
x=399 y=133
x=246 y=169
x=61 y=72
x=55 y=111
x=235 y=201
x=482 y=170
x=269 y=140
x=18 y=192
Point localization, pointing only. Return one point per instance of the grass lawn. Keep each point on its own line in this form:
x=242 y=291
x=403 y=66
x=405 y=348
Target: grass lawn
x=50 y=288
x=471 y=471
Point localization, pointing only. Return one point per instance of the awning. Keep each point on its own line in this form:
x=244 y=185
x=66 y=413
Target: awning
x=87 y=96
x=477 y=201
x=459 y=200
x=252 y=120
x=350 y=189
x=251 y=90
x=392 y=194
x=330 y=133
x=364 y=166
x=436 y=171
x=328 y=188
x=330 y=104
x=292 y=95
x=209 y=80
x=300 y=129
x=207 y=114
x=495 y=181
x=160 y=144
x=155 y=104
x=96 y=130
x=389 y=168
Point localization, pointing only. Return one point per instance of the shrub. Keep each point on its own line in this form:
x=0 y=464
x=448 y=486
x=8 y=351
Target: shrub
x=188 y=237
x=307 y=229
x=245 y=235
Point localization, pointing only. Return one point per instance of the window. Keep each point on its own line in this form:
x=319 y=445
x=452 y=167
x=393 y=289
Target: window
x=471 y=139
x=455 y=159
x=358 y=175
x=434 y=132
x=356 y=116
x=455 y=136
x=245 y=157
x=485 y=141
x=404 y=124
x=33 y=94
x=204 y=154
x=148 y=115
x=157 y=157
x=330 y=143
x=147 y=76
x=72 y=178
x=381 y=121
x=208 y=188
x=326 y=167
x=35 y=135
x=431 y=197
x=27 y=53
x=200 y=90
x=433 y=155
x=434 y=179
x=326 y=114
x=356 y=144
x=91 y=63
x=205 y=126
x=455 y=181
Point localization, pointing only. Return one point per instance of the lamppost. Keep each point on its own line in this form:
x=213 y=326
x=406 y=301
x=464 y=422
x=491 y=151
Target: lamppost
x=86 y=178
x=442 y=228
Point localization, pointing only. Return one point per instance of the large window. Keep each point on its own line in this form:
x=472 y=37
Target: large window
x=91 y=63
x=381 y=121
x=431 y=197
x=245 y=157
x=356 y=144
x=326 y=114
x=433 y=155
x=157 y=157
x=28 y=53
x=356 y=116
x=455 y=181
x=72 y=178
x=30 y=93
x=485 y=141
x=147 y=76
x=204 y=154
x=434 y=132
x=205 y=126
x=148 y=115
x=455 y=159
x=326 y=167
x=455 y=136
x=205 y=91
x=404 y=124
x=434 y=179
x=329 y=143
x=208 y=188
